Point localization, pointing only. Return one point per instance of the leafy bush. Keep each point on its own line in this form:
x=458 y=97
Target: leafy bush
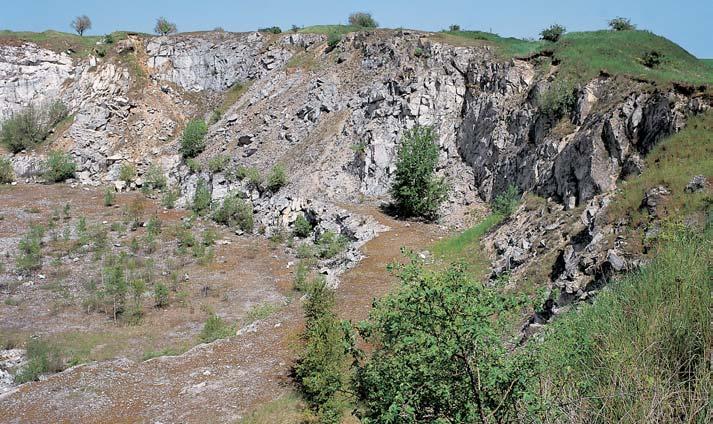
x=276 y=178
x=416 y=190
x=320 y=369
x=127 y=172
x=439 y=349
x=652 y=59
x=201 y=198
x=330 y=244
x=160 y=294
x=31 y=126
x=59 y=166
x=30 y=250
x=42 y=358
x=271 y=30
x=109 y=197
x=454 y=28
x=215 y=328
x=235 y=212
x=194 y=166
x=169 y=198
x=621 y=24
x=333 y=39
x=362 y=19
x=303 y=228
x=154 y=178
x=218 y=163
x=164 y=27
x=506 y=202
x=553 y=33
x=7 y=175
x=251 y=175
x=559 y=99
x=193 y=139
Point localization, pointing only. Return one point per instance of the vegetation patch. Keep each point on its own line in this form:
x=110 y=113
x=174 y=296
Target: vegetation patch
x=31 y=126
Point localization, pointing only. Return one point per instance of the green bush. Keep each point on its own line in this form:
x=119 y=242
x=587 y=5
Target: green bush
x=559 y=99
x=621 y=24
x=251 y=175
x=218 y=163
x=416 y=190
x=164 y=26
x=127 y=172
x=271 y=30
x=333 y=39
x=193 y=139
x=154 y=178
x=59 y=166
x=115 y=287
x=303 y=228
x=31 y=126
x=507 y=202
x=201 y=198
x=553 y=33
x=109 y=197
x=235 y=212
x=169 y=198
x=7 y=175
x=194 y=166
x=215 y=328
x=320 y=369
x=42 y=358
x=331 y=244
x=454 y=28
x=30 y=250
x=438 y=348
x=362 y=19
x=160 y=294
x=276 y=178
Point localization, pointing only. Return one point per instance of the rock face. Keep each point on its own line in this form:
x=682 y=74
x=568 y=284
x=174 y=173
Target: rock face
x=31 y=74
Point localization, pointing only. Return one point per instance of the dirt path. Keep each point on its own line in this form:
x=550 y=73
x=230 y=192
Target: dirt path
x=219 y=382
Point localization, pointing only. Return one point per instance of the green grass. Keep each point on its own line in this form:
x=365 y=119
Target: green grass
x=672 y=163
x=262 y=311
x=286 y=409
x=707 y=62
x=59 y=41
x=330 y=29
x=506 y=46
x=466 y=245
x=642 y=352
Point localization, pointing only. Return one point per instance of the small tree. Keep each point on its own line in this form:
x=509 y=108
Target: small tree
x=59 y=166
x=193 y=139
x=362 y=19
x=621 y=24
x=303 y=228
x=454 y=28
x=506 y=202
x=235 y=212
x=164 y=27
x=553 y=33
x=201 y=198
x=416 y=190
x=7 y=175
x=81 y=24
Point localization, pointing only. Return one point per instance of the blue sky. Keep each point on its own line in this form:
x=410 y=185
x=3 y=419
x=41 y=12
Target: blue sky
x=687 y=22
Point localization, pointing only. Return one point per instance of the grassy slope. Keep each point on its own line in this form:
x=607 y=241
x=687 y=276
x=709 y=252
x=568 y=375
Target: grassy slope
x=330 y=29
x=466 y=246
x=582 y=55
x=59 y=41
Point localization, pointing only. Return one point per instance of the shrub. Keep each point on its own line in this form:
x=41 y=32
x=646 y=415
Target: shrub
x=31 y=126
x=81 y=24
x=301 y=275
x=169 y=198
x=506 y=202
x=109 y=39
x=330 y=244
x=7 y=175
x=439 y=349
x=271 y=30
x=652 y=59
x=154 y=178
x=333 y=39
x=160 y=295
x=362 y=19
x=303 y=228
x=416 y=190
x=559 y=99
x=59 y=166
x=276 y=178
x=320 y=369
x=215 y=328
x=218 y=163
x=164 y=27
x=252 y=176
x=621 y=24
x=127 y=172
x=193 y=138
x=115 y=287
x=42 y=358
x=194 y=166
x=553 y=33
x=454 y=28
x=30 y=250
x=109 y=197
x=201 y=198
x=235 y=212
